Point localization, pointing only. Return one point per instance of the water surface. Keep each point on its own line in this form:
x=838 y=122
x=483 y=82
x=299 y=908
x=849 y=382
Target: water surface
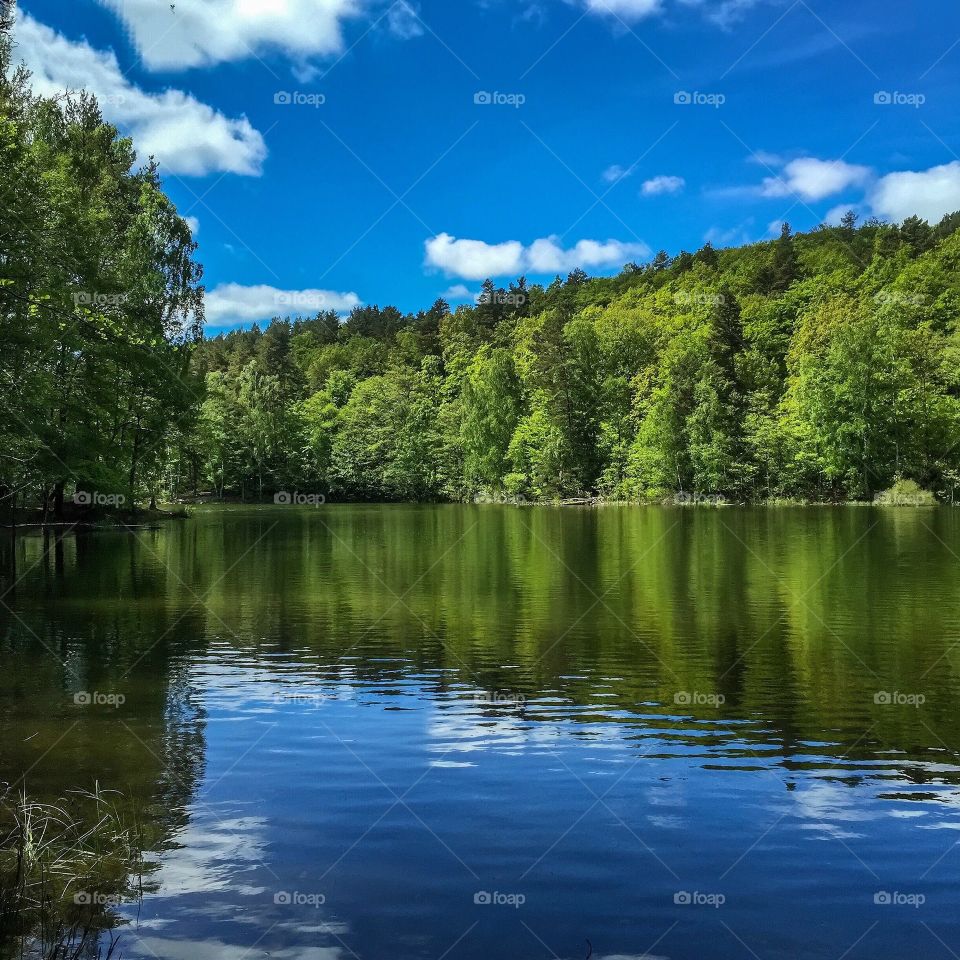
x=476 y=732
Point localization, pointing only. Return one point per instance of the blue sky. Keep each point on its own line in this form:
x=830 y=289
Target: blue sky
x=333 y=151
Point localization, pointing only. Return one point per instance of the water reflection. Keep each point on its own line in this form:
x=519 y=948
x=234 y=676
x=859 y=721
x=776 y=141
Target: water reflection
x=346 y=723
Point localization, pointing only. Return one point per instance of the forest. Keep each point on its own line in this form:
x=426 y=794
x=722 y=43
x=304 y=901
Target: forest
x=819 y=366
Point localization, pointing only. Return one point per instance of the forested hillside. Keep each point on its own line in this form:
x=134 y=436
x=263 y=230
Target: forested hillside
x=819 y=366
x=816 y=366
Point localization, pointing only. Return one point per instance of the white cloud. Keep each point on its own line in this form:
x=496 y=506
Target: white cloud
x=814 y=179
x=477 y=260
x=194 y=225
x=929 y=194
x=459 y=291
x=659 y=185
x=474 y=259
x=724 y=13
x=616 y=172
x=185 y=135
x=624 y=9
x=547 y=256
x=235 y=303
x=195 y=34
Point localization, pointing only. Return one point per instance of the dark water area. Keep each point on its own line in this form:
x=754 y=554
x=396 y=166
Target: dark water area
x=475 y=732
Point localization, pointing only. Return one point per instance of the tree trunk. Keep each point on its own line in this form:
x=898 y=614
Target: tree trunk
x=58 y=500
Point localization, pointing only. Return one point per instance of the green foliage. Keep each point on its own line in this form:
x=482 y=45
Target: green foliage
x=99 y=304
x=818 y=366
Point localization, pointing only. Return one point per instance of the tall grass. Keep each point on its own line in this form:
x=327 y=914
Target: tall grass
x=64 y=867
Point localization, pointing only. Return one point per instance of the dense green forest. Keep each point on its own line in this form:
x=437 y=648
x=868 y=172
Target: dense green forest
x=100 y=303
x=817 y=366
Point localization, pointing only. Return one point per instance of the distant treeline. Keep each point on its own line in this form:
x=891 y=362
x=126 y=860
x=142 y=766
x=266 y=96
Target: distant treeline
x=815 y=366
x=818 y=366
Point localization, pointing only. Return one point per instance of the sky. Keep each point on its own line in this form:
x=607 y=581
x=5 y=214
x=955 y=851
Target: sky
x=329 y=153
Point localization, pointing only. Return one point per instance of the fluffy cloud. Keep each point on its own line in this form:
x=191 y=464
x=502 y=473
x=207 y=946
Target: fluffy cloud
x=814 y=179
x=659 y=185
x=477 y=260
x=235 y=303
x=929 y=194
x=185 y=135
x=194 y=225
x=196 y=34
x=474 y=259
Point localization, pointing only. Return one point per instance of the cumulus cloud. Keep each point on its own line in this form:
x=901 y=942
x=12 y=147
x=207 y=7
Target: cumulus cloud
x=814 y=179
x=660 y=185
x=218 y=31
x=477 y=260
x=474 y=259
x=187 y=136
x=930 y=194
x=235 y=303
x=194 y=225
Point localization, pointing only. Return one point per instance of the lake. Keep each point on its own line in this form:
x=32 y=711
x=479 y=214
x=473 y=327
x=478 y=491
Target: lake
x=474 y=732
